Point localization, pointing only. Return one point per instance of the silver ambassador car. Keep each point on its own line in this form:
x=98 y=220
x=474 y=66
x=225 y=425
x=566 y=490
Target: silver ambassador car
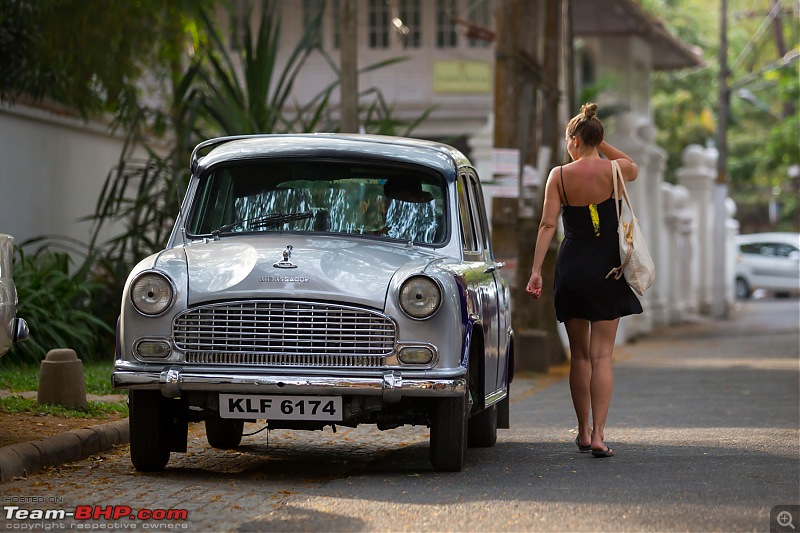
x=319 y=280
x=12 y=328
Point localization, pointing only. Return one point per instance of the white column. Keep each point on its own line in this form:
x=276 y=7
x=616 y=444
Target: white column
x=731 y=231
x=625 y=137
x=677 y=274
x=656 y=236
x=713 y=305
x=698 y=178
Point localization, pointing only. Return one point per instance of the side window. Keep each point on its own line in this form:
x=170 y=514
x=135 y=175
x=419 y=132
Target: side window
x=479 y=212
x=214 y=204
x=783 y=250
x=469 y=240
x=751 y=248
x=379 y=16
x=768 y=249
x=445 y=26
x=411 y=16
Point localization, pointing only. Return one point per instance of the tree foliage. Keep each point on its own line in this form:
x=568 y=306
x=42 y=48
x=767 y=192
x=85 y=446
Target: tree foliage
x=764 y=129
x=88 y=55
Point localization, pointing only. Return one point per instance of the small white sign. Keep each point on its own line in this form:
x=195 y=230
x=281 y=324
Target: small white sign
x=506 y=160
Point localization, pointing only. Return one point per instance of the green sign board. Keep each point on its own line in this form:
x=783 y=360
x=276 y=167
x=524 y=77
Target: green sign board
x=473 y=77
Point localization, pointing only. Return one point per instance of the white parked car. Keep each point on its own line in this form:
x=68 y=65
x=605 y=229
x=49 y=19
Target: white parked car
x=320 y=280
x=768 y=261
x=12 y=329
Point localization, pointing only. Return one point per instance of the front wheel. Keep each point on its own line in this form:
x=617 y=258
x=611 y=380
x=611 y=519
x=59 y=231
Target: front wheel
x=224 y=433
x=743 y=291
x=448 y=446
x=149 y=420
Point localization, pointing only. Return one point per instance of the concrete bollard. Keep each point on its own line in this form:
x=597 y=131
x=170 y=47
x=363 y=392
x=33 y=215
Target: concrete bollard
x=61 y=380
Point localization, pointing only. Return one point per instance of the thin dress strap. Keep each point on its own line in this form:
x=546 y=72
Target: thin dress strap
x=563 y=190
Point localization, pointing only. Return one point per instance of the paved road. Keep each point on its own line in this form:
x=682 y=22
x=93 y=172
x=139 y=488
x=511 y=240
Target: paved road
x=705 y=421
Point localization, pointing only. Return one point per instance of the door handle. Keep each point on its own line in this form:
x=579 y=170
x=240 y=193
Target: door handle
x=495 y=266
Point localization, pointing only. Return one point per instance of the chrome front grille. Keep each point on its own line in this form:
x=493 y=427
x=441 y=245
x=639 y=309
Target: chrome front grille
x=284 y=333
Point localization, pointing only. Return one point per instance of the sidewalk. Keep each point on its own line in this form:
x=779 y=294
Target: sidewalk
x=25 y=458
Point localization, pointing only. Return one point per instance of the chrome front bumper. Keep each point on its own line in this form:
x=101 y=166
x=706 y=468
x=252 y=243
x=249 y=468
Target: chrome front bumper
x=391 y=385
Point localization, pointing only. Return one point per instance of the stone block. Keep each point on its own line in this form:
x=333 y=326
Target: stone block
x=61 y=380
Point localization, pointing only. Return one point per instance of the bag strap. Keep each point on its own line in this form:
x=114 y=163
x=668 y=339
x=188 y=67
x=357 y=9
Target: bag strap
x=617 y=177
x=616 y=174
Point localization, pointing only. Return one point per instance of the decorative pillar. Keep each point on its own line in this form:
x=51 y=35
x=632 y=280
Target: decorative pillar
x=731 y=231
x=625 y=137
x=677 y=277
x=698 y=177
x=656 y=161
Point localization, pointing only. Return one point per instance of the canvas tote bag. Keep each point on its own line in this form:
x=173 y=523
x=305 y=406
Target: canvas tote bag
x=635 y=261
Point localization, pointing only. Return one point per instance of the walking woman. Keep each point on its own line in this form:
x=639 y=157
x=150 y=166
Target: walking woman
x=589 y=304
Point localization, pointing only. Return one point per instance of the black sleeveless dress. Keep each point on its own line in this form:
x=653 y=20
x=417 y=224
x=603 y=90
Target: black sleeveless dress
x=589 y=250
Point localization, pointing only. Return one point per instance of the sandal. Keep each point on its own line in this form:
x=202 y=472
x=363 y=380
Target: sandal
x=608 y=452
x=581 y=447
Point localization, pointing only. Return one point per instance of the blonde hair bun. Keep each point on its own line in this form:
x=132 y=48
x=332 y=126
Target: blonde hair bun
x=589 y=110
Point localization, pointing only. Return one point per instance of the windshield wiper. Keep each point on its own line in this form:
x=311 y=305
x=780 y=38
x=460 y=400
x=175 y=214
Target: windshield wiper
x=272 y=219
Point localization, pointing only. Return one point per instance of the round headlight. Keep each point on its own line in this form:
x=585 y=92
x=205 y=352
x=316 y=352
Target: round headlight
x=420 y=297
x=151 y=293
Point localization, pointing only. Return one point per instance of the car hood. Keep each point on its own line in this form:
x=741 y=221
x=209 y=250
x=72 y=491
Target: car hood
x=357 y=271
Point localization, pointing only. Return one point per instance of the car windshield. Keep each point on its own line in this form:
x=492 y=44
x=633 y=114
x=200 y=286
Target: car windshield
x=325 y=197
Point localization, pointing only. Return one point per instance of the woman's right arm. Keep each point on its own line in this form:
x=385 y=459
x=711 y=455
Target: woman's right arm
x=630 y=170
x=547 y=228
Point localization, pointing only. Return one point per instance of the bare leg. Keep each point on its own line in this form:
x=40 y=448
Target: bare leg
x=601 y=347
x=580 y=372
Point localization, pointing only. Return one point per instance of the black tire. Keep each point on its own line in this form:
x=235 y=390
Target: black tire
x=224 y=433
x=482 y=432
x=448 y=446
x=149 y=421
x=743 y=291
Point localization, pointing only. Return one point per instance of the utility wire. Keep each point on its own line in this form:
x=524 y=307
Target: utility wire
x=776 y=9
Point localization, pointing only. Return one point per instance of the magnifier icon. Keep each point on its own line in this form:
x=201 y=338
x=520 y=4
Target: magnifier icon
x=785 y=519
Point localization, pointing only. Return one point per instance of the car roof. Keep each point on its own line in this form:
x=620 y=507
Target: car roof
x=774 y=236
x=381 y=148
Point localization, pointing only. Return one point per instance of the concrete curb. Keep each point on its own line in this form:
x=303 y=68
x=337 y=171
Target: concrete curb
x=28 y=457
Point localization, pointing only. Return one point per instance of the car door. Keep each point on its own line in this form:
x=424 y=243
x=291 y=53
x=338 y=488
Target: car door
x=491 y=293
x=785 y=266
x=775 y=266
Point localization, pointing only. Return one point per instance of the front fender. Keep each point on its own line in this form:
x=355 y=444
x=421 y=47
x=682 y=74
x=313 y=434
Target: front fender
x=132 y=324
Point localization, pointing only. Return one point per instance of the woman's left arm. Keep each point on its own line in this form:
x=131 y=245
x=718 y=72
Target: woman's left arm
x=547 y=228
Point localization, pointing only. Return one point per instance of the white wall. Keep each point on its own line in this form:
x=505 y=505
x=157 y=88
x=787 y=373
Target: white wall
x=407 y=86
x=52 y=172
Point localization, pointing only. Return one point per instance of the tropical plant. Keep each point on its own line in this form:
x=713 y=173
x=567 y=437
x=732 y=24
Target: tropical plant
x=86 y=54
x=57 y=305
x=219 y=94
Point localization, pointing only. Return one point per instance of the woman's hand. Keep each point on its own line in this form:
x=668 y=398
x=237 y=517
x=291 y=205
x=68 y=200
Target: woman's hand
x=534 y=287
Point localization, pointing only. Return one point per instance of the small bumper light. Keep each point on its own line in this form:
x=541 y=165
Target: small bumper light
x=152 y=349
x=415 y=355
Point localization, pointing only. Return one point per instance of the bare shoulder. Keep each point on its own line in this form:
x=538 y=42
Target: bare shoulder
x=552 y=176
x=629 y=169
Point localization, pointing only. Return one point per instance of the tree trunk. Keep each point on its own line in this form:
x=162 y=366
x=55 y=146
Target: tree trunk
x=349 y=67
x=526 y=118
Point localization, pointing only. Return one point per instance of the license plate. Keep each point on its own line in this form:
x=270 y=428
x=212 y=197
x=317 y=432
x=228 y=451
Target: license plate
x=270 y=407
